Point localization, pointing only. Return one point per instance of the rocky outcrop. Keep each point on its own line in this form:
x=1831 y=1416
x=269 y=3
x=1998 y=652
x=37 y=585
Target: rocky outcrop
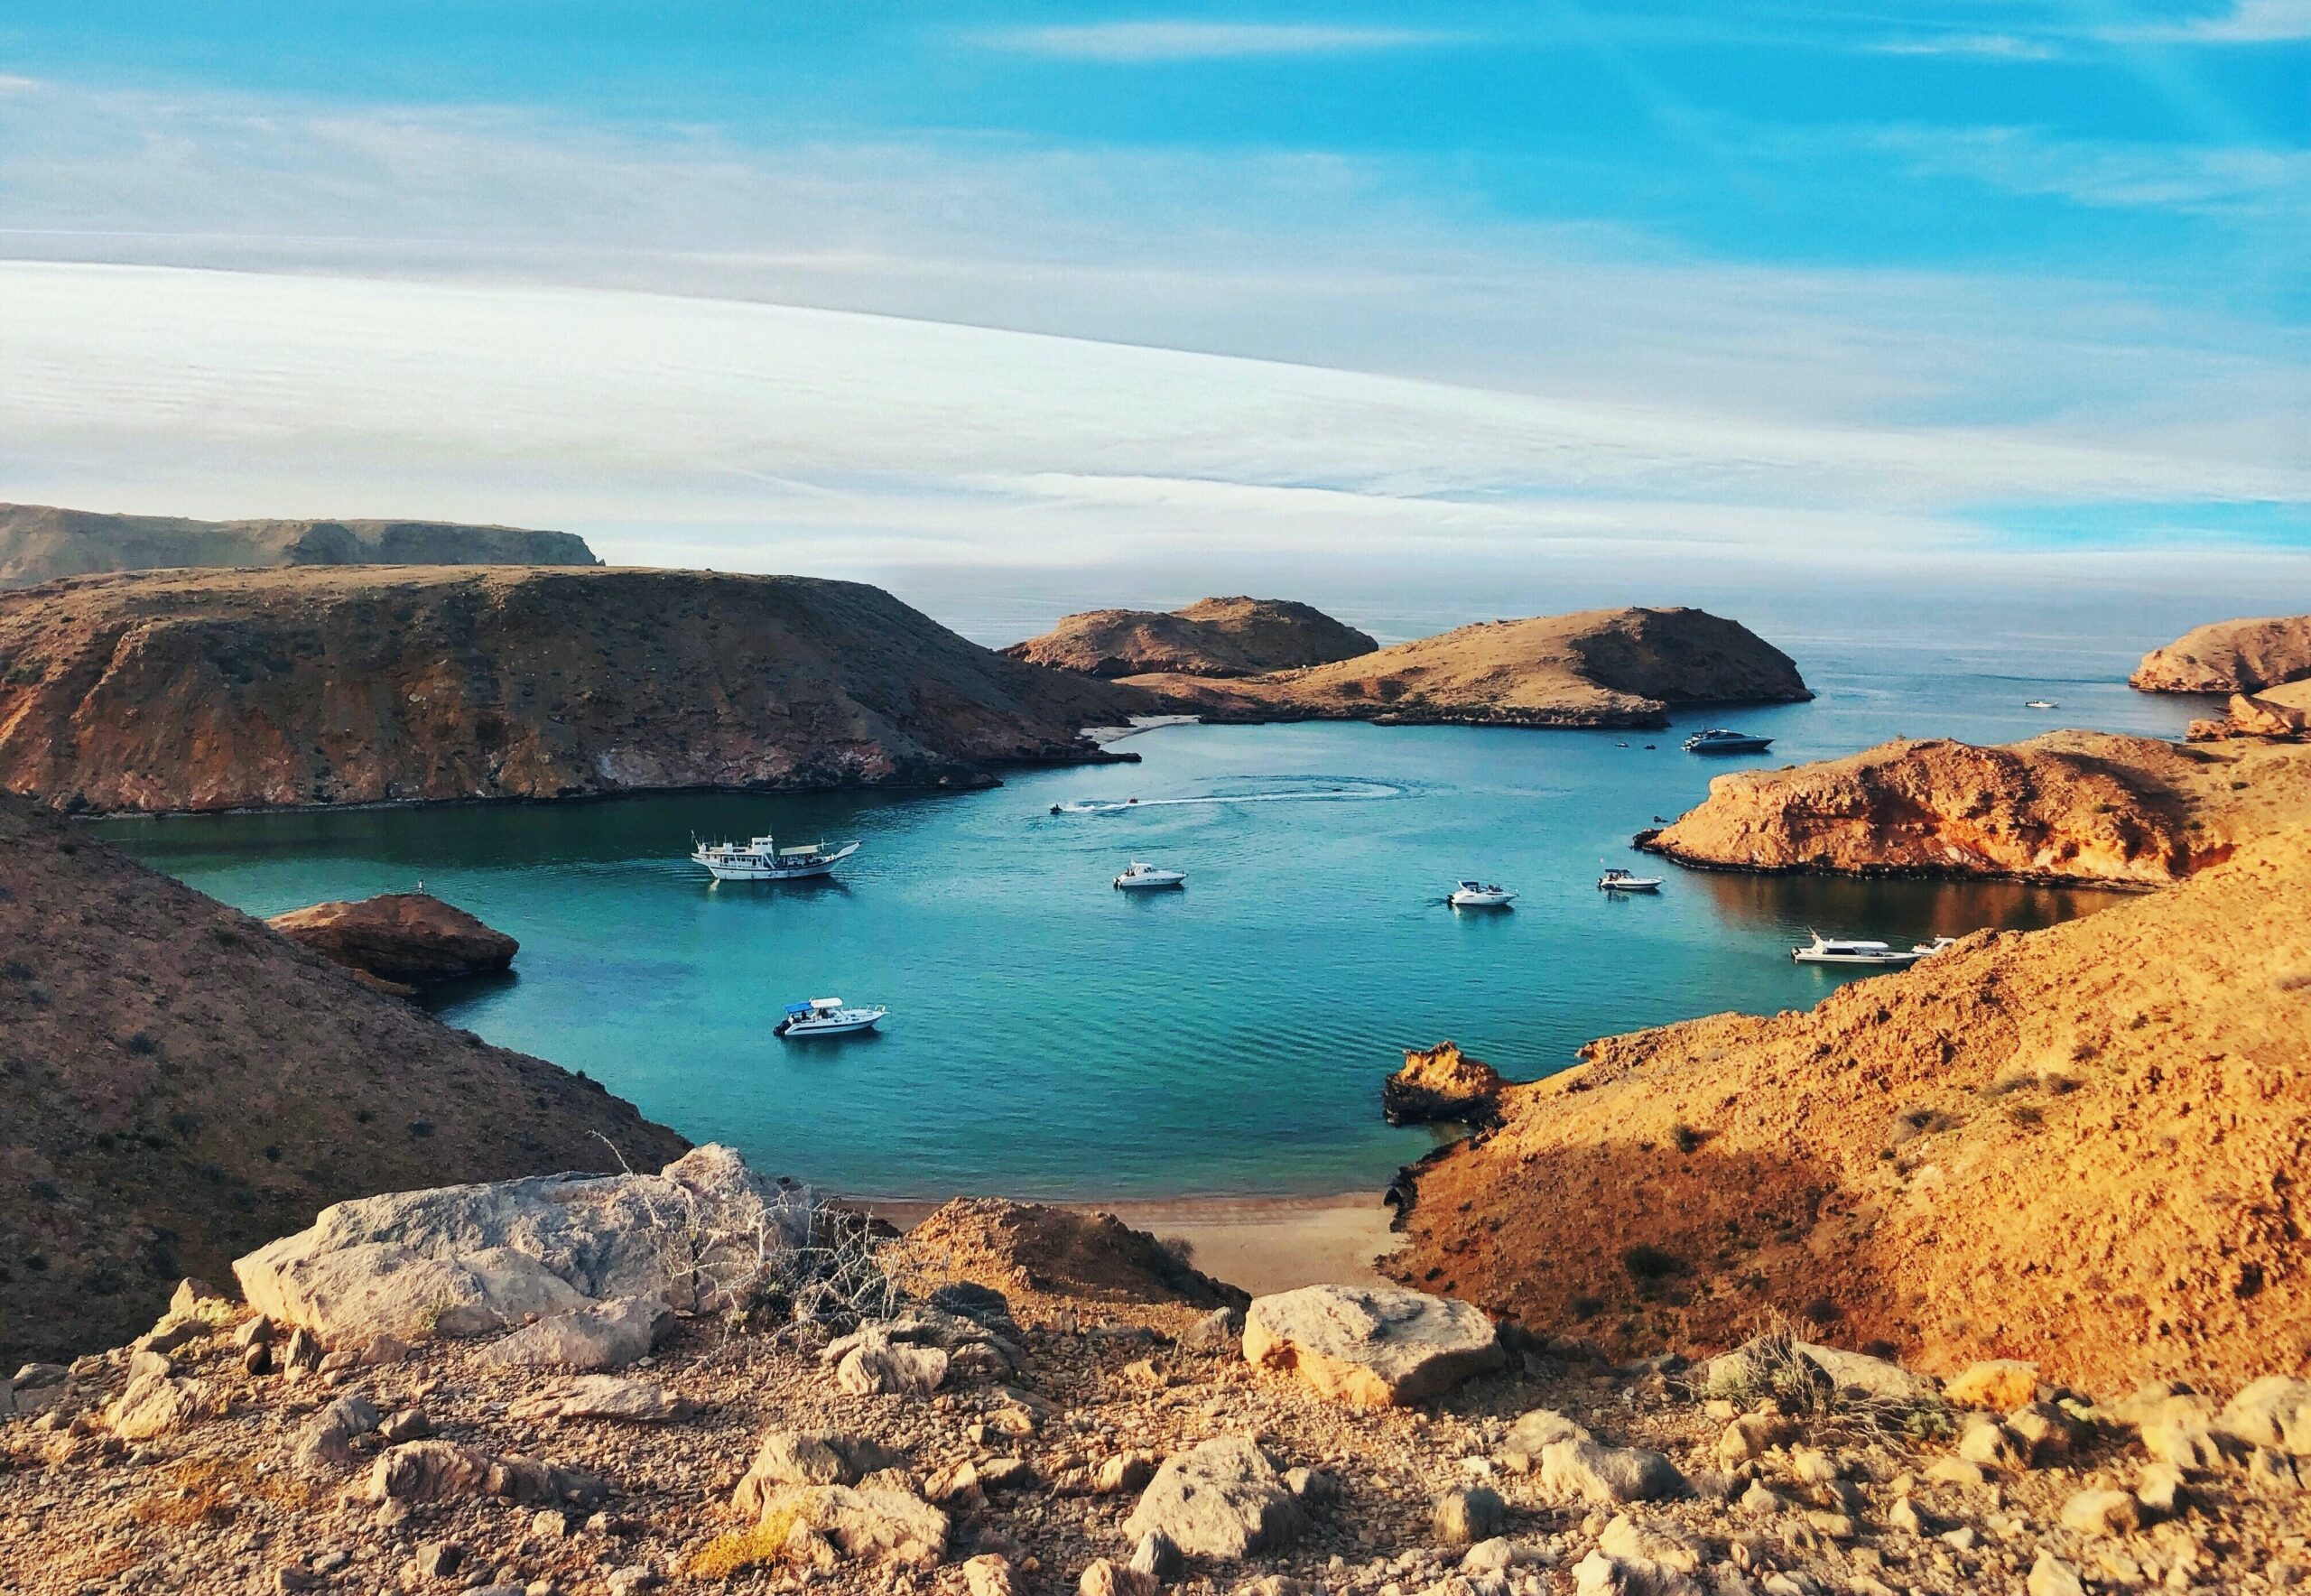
x=1032 y=1248
x=1441 y=1082
x=1220 y=1500
x=178 y=1084
x=399 y=936
x=2230 y=656
x=1598 y=668
x=200 y=690
x=2070 y=806
x=40 y=543
x=1943 y=1163
x=1211 y=638
x=2283 y=714
x=1371 y=1346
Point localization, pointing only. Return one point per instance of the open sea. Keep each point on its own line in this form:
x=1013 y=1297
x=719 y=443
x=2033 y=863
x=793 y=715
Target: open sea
x=1052 y=1037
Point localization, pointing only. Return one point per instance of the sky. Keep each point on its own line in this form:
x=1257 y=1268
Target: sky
x=1950 y=285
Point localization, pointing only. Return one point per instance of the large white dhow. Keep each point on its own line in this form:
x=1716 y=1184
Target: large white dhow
x=760 y=859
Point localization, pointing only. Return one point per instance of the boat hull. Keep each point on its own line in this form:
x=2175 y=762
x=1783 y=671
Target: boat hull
x=1126 y=884
x=726 y=871
x=1866 y=960
x=844 y=1028
x=1628 y=887
x=1483 y=900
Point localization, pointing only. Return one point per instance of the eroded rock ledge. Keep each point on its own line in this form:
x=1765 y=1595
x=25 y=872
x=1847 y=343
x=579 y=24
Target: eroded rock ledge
x=2230 y=656
x=399 y=937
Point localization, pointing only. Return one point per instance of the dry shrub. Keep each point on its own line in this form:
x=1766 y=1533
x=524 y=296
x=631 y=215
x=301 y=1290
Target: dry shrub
x=732 y=1553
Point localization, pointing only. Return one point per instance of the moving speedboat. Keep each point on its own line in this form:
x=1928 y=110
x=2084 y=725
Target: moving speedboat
x=1622 y=881
x=760 y=859
x=826 y=1017
x=1149 y=879
x=1481 y=895
x=1716 y=739
x=1825 y=950
x=2042 y=703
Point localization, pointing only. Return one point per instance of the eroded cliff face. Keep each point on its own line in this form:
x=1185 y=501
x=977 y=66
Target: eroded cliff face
x=2230 y=656
x=1218 y=637
x=2077 y=1145
x=216 y=690
x=2070 y=806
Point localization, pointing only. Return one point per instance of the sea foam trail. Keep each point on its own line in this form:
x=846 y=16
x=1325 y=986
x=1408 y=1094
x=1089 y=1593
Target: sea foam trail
x=1362 y=790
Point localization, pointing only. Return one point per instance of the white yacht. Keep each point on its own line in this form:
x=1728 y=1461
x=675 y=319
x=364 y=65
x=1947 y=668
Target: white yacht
x=1825 y=950
x=1481 y=895
x=1149 y=879
x=2042 y=703
x=1927 y=950
x=1717 y=739
x=760 y=859
x=826 y=1017
x=1623 y=881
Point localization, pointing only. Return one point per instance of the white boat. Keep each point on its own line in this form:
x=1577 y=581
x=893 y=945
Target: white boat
x=826 y=1017
x=1716 y=739
x=1622 y=881
x=2042 y=703
x=1927 y=950
x=1149 y=879
x=1481 y=895
x=760 y=859
x=1825 y=950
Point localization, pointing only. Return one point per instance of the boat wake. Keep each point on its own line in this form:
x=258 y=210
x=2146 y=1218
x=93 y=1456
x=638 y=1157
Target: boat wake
x=1347 y=793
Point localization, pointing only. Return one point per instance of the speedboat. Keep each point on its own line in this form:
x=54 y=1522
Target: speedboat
x=760 y=859
x=1825 y=950
x=1149 y=879
x=1927 y=950
x=2042 y=703
x=1622 y=881
x=1716 y=739
x=826 y=1017
x=1481 y=895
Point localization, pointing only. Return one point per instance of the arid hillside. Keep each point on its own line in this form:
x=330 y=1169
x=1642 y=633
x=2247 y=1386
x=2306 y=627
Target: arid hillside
x=2071 y=806
x=39 y=542
x=2230 y=656
x=1598 y=667
x=2078 y=1146
x=219 y=690
x=1211 y=638
x=180 y=1083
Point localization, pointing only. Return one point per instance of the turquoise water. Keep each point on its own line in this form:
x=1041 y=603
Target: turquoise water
x=1050 y=1037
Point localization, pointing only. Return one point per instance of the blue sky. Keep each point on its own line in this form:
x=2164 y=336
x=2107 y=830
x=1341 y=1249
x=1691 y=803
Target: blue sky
x=1949 y=276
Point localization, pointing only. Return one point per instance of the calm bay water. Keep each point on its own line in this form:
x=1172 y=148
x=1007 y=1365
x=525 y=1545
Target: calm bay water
x=1053 y=1037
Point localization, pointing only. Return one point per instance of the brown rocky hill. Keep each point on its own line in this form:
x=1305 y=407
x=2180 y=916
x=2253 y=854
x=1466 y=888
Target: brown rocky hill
x=1211 y=638
x=2230 y=656
x=2075 y=806
x=180 y=1085
x=39 y=542
x=1598 y=667
x=216 y=689
x=2078 y=1146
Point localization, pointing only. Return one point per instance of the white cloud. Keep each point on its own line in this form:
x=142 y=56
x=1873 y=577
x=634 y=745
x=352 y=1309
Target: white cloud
x=1999 y=46
x=2247 y=22
x=2234 y=181
x=1184 y=40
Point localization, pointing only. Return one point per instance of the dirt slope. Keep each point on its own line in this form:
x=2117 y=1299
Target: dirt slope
x=39 y=542
x=2230 y=656
x=2077 y=1146
x=215 y=689
x=1211 y=638
x=1598 y=667
x=2076 y=806
x=180 y=1085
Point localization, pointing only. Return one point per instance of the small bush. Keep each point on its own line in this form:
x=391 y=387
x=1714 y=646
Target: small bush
x=1687 y=1138
x=1647 y=1263
x=727 y=1556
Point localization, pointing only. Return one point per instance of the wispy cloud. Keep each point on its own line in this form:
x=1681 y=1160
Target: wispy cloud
x=2198 y=180
x=2247 y=22
x=1998 y=46
x=1156 y=40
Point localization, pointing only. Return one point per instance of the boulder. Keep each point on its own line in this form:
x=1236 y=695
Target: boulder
x=2103 y=1512
x=1606 y=1475
x=1534 y=1433
x=869 y=1523
x=2051 y=1576
x=599 y=1336
x=988 y=1574
x=1463 y=1517
x=2274 y=1410
x=399 y=936
x=885 y=1366
x=1371 y=1346
x=468 y=1260
x=1220 y=1500
x=606 y=1397
x=1441 y=1082
x=2001 y=1384
x=428 y=1472
x=1102 y=1577
x=157 y=1403
x=792 y=1457
x=325 y=1447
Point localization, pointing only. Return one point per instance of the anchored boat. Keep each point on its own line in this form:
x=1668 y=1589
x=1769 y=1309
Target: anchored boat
x=1623 y=881
x=1716 y=739
x=826 y=1017
x=760 y=859
x=1149 y=879
x=1481 y=895
x=1825 y=950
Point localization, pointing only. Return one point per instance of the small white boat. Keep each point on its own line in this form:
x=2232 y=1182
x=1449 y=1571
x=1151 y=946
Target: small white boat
x=1622 y=881
x=2042 y=703
x=1825 y=950
x=1481 y=895
x=1149 y=879
x=1716 y=739
x=1927 y=950
x=760 y=859
x=826 y=1017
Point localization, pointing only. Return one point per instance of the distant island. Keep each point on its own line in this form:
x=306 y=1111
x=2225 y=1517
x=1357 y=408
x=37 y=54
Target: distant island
x=40 y=543
x=1211 y=638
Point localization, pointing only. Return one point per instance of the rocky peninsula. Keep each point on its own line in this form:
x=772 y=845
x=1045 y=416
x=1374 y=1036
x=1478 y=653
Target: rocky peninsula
x=180 y=690
x=399 y=937
x=40 y=543
x=2070 y=806
x=1222 y=637
x=2230 y=656
x=1622 y=668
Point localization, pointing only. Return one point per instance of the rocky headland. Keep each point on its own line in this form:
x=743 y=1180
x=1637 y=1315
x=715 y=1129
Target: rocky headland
x=1599 y=668
x=203 y=690
x=2282 y=714
x=1442 y=1084
x=40 y=543
x=2070 y=806
x=399 y=937
x=1211 y=638
x=2230 y=656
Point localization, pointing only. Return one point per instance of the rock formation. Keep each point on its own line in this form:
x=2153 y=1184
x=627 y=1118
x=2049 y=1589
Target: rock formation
x=1211 y=638
x=399 y=937
x=198 y=690
x=1441 y=1082
x=2282 y=714
x=1370 y=1346
x=2070 y=806
x=40 y=543
x=1033 y=1247
x=1949 y=1162
x=1598 y=668
x=2230 y=656
x=178 y=1084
